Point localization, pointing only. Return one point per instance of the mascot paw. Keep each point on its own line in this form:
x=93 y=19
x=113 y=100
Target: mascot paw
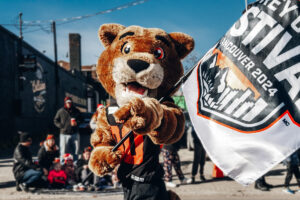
x=101 y=137
x=103 y=160
x=140 y=115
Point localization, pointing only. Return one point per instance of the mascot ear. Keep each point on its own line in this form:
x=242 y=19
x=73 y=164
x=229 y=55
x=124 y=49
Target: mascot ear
x=184 y=43
x=108 y=32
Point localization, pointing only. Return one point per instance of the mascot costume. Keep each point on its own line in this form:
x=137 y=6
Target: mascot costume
x=138 y=66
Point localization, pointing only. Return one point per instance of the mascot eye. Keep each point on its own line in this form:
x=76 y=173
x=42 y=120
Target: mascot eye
x=126 y=48
x=159 y=53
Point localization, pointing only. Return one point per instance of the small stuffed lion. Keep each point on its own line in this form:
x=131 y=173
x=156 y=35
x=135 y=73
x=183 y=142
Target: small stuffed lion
x=138 y=66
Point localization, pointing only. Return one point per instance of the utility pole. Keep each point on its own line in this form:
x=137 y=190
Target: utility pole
x=20 y=55
x=19 y=82
x=20 y=25
x=20 y=52
x=56 y=81
x=246 y=4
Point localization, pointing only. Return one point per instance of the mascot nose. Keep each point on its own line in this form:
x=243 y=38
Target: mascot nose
x=137 y=65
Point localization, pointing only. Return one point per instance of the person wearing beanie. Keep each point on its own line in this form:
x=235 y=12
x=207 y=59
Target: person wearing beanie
x=67 y=120
x=47 y=153
x=25 y=171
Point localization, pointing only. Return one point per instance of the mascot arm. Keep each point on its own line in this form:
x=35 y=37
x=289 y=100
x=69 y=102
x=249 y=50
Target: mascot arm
x=103 y=160
x=172 y=125
x=164 y=123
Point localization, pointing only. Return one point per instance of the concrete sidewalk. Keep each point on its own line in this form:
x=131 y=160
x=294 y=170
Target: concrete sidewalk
x=211 y=189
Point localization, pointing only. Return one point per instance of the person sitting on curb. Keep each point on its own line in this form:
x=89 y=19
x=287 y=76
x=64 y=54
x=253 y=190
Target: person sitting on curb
x=82 y=171
x=47 y=153
x=25 y=171
x=57 y=177
x=69 y=168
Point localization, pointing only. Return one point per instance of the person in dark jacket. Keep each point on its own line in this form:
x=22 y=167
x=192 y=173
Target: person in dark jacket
x=67 y=120
x=47 y=153
x=25 y=171
x=82 y=171
x=82 y=168
x=199 y=157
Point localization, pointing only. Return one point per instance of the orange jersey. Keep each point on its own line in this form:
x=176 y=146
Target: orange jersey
x=141 y=156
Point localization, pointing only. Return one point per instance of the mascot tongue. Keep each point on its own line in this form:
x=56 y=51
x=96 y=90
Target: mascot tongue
x=137 y=88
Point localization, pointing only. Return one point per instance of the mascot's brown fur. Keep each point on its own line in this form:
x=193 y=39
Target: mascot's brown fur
x=138 y=66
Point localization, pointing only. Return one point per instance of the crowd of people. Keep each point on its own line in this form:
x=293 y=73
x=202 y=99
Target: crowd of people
x=58 y=167
x=49 y=171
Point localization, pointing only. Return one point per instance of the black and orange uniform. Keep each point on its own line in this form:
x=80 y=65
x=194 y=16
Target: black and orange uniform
x=140 y=172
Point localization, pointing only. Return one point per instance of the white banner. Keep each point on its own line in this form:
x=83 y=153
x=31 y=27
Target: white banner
x=244 y=96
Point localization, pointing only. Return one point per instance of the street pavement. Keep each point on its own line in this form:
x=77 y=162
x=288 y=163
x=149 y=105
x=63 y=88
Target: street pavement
x=225 y=188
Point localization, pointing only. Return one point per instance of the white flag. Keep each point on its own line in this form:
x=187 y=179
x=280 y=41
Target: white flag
x=244 y=96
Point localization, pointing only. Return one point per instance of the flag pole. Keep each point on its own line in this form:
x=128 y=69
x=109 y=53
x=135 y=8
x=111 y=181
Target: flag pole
x=246 y=4
x=169 y=92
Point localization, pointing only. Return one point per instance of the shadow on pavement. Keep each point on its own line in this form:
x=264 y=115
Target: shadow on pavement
x=66 y=191
x=282 y=185
x=7 y=184
x=214 y=180
x=217 y=179
x=276 y=172
x=185 y=162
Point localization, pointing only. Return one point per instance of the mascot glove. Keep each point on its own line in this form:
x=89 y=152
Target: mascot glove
x=103 y=160
x=140 y=115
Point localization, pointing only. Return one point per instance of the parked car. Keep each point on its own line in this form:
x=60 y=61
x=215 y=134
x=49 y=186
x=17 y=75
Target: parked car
x=84 y=127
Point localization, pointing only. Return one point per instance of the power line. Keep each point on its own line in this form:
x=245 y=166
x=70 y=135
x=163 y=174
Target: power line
x=66 y=20
x=18 y=24
x=73 y=19
x=124 y=6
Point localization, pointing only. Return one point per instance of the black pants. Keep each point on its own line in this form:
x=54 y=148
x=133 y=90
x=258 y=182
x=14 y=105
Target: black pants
x=292 y=169
x=199 y=158
x=145 y=191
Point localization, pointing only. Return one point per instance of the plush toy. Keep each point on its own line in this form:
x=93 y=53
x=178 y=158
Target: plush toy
x=138 y=66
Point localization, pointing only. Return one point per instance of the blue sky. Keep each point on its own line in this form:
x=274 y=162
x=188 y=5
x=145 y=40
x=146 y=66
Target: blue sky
x=206 y=21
